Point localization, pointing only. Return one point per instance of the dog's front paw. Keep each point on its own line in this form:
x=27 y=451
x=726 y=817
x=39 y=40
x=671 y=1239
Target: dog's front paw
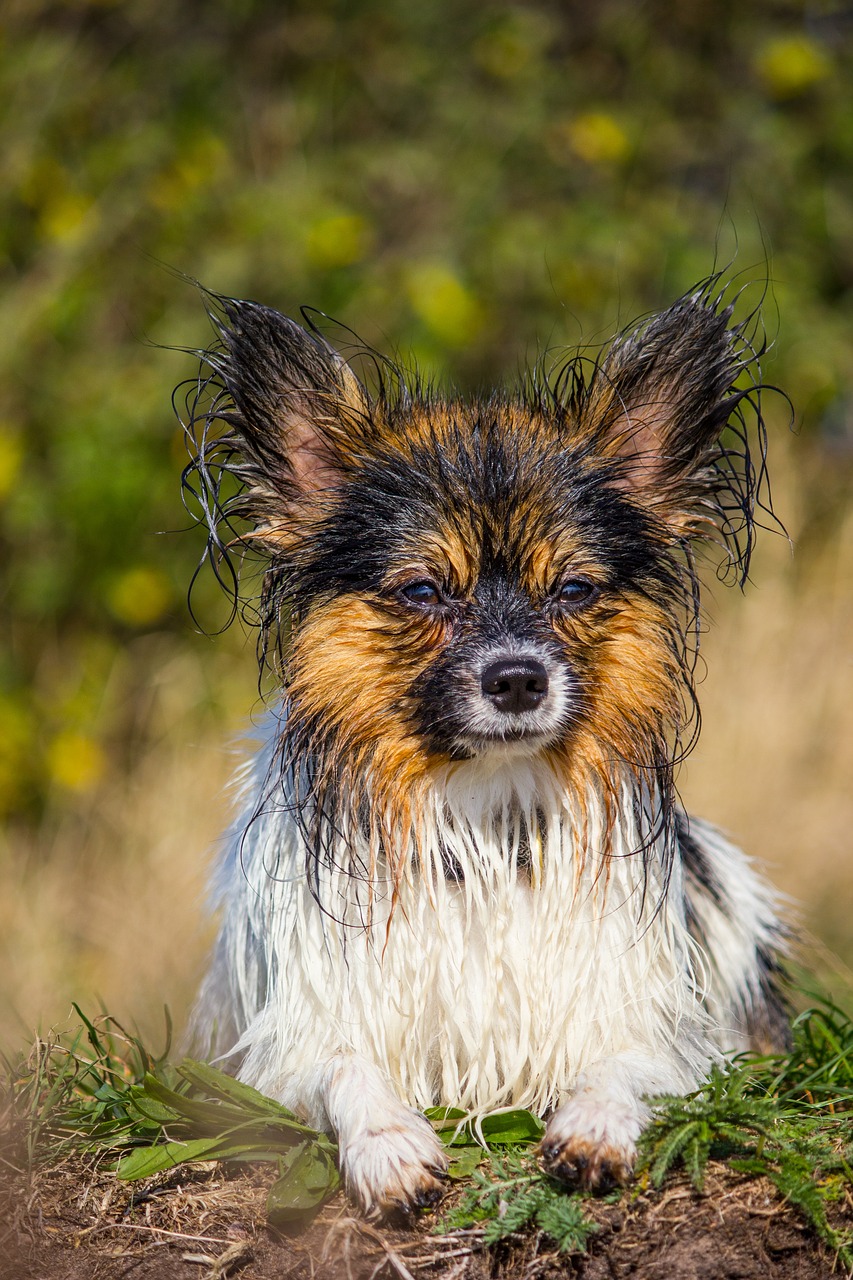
x=590 y=1144
x=395 y=1168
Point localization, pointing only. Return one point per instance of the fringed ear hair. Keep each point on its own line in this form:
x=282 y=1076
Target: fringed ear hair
x=271 y=421
x=298 y=410
x=658 y=405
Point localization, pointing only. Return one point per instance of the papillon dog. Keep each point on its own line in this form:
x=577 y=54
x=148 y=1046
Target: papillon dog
x=460 y=874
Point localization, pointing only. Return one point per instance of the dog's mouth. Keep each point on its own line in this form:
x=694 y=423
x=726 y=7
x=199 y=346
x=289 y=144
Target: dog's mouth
x=523 y=732
x=512 y=742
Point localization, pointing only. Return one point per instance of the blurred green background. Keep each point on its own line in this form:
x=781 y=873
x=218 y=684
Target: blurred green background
x=467 y=182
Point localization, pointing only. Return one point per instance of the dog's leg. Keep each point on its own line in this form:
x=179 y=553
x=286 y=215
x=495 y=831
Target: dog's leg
x=591 y=1139
x=391 y=1160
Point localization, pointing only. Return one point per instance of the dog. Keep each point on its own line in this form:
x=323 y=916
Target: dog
x=460 y=873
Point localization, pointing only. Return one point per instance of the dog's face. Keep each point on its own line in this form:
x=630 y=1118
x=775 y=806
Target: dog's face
x=477 y=586
x=488 y=579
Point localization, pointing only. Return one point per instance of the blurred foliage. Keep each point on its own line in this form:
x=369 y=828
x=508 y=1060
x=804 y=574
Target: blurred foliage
x=466 y=182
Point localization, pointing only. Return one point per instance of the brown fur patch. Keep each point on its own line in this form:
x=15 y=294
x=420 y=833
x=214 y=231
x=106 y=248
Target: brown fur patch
x=353 y=663
x=351 y=669
x=635 y=678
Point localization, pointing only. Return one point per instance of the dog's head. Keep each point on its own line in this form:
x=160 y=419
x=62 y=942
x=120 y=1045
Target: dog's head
x=508 y=576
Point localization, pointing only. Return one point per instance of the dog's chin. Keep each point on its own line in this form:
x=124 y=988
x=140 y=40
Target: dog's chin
x=514 y=744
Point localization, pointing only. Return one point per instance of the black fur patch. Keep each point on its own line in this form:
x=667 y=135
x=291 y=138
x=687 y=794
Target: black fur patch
x=696 y=864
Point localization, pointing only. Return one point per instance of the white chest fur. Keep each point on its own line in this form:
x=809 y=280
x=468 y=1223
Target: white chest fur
x=527 y=941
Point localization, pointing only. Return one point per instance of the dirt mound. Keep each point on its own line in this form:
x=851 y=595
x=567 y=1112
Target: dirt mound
x=76 y=1222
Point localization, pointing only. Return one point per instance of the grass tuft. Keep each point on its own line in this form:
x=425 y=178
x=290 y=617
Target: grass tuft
x=786 y=1117
x=102 y=1093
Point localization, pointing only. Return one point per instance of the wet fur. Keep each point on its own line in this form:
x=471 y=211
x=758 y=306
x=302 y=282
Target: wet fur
x=427 y=899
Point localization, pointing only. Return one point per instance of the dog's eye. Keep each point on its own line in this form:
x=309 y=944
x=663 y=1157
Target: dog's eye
x=422 y=592
x=576 y=592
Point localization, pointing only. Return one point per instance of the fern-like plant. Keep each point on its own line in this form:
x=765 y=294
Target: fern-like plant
x=513 y=1193
x=788 y=1118
x=725 y=1114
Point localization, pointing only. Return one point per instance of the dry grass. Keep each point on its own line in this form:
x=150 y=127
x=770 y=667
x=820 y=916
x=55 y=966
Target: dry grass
x=104 y=901
x=775 y=762
x=74 y=1222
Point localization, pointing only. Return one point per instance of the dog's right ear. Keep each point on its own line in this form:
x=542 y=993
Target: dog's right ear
x=299 y=412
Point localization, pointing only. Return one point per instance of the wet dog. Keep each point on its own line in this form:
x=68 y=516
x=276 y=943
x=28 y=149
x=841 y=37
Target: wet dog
x=460 y=873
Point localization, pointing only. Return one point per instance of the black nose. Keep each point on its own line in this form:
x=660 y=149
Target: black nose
x=515 y=684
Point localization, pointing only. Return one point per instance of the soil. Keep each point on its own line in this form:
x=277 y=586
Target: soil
x=78 y=1222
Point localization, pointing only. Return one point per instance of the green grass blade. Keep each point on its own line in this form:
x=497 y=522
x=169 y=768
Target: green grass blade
x=146 y=1161
x=210 y=1080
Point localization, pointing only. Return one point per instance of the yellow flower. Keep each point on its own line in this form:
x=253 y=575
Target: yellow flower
x=140 y=596
x=450 y=312
x=791 y=65
x=337 y=240
x=194 y=168
x=75 y=761
x=597 y=138
x=11 y=457
x=65 y=216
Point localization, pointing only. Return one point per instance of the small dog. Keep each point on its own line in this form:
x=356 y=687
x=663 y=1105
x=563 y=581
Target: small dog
x=461 y=874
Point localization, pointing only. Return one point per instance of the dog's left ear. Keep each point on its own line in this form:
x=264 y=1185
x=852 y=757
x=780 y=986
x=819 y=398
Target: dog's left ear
x=659 y=402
